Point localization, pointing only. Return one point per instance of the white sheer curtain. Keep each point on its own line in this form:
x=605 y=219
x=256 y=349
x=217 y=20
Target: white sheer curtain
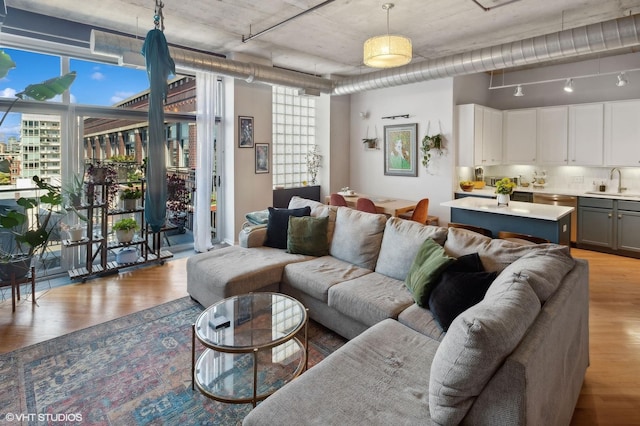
x=205 y=119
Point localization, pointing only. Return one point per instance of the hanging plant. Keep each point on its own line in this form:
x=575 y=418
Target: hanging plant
x=430 y=144
x=371 y=143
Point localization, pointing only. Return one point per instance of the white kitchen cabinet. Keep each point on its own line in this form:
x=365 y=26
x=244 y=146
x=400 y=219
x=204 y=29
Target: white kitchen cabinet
x=552 y=135
x=622 y=133
x=520 y=136
x=586 y=135
x=479 y=135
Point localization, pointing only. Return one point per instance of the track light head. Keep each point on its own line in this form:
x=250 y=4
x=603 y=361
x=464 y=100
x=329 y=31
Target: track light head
x=568 y=86
x=622 y=80
x=518 y=92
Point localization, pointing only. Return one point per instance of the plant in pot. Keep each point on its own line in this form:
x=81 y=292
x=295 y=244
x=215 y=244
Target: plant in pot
x=97 y=174
x=72 y=191
x=177 y=202
x=504 y=188
x=130 y=195
x=26 y=237
x=125 y=229
x=430 y=144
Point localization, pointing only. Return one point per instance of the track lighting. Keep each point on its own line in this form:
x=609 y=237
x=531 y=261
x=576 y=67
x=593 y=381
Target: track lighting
x=622 y=80
x=568 y=86
x=518 y=91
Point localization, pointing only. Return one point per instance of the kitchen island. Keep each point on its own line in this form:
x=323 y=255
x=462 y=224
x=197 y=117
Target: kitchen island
x=542 y=220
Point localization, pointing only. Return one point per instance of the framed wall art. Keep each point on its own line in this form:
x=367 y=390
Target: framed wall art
x=245 y=132
x=262 y=158
x=401 y=150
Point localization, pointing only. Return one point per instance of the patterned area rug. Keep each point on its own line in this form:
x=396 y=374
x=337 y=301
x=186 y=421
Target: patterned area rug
x=132 y=370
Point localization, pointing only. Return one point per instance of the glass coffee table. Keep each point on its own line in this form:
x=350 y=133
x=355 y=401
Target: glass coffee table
x=251 y=347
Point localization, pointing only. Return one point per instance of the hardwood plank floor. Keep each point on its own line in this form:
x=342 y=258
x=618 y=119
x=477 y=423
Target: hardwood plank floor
x=610 y=394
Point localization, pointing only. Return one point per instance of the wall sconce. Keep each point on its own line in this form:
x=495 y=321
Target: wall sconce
x=518 y=92
x=622 y=80
x=568 y=86
x=364 y=115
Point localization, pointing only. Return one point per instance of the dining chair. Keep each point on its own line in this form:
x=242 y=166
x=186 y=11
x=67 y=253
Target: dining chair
x=337 y=200
x=521 y=238
x=366 y=205
x=479 y=230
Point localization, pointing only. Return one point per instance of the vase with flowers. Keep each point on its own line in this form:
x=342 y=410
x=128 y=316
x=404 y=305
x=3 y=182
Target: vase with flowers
x=504 y=188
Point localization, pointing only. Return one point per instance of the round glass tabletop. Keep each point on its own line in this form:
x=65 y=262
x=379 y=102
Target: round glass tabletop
x=250 y=321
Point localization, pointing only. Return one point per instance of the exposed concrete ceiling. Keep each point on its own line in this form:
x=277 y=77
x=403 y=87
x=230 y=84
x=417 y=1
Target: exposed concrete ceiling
x=328 y=41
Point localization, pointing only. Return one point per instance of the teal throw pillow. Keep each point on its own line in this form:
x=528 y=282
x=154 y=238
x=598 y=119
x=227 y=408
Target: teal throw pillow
x=308 y=235
x=424 y=274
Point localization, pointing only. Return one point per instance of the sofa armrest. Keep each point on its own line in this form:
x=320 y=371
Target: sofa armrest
x=252 y=236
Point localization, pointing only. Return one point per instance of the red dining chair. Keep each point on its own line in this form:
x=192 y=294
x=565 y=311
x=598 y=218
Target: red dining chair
x=337 y=200
x=366 y=205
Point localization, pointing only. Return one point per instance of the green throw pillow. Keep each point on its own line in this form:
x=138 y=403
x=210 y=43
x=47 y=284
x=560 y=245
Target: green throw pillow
x=308 y=235
x=425 y=271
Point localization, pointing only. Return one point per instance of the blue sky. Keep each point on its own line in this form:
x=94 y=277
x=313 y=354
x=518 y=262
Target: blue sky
x=95 y=84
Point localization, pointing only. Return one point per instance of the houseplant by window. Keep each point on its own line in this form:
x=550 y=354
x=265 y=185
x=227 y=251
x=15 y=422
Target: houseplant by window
x=125 y=229
x=130 y=195
x=504 y=188
x=24 y=239
x=177 y=202
x=313 y=163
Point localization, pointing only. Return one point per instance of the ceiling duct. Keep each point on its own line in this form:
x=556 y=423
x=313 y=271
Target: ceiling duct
x=120 y=46
x=603 y=36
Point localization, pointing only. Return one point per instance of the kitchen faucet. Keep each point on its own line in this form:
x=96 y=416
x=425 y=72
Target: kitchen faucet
x=620 y=188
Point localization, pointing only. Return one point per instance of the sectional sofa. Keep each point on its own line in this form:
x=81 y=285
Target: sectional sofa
x=518 y=357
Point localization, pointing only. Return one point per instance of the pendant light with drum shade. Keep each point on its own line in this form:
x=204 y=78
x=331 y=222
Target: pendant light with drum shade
x=387 y=51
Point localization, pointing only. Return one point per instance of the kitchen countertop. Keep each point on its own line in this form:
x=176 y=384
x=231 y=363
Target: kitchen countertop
x=515 y=208
x=490 y=192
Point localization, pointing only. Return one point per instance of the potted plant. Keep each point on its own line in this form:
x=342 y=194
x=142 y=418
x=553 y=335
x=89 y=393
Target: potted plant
x=27 y=239
x=99 y=173
x=129 y=195
x=430 y=144
x=504 y=188
x=177 y=202
x=370 y=142
x=72 y=191
x=125 y=228
x=313 y=163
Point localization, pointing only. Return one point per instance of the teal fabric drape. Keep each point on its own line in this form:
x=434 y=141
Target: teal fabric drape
x=159 y=67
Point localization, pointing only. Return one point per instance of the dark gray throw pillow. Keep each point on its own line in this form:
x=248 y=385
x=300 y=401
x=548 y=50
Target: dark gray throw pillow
x=467 y=263
x=278 y=225
x=456 y=292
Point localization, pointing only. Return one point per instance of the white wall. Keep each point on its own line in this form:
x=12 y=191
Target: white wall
x=430 y=104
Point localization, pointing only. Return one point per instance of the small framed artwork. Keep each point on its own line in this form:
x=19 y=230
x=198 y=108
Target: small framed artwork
x=262 y=158
x=401 y=150
x=245 y=132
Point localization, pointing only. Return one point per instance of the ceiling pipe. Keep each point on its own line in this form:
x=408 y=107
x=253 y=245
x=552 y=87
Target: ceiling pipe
x=121 y=47
x=614 y=34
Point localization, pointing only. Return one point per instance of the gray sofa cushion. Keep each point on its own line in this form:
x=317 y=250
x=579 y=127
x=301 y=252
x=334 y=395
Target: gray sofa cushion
x=234 y=270
x=400 y=243
x=315 y=277
x=357 y=237
x=543 y=269
x=475 y=346
x=496 y=254
x=386 y=363
x=422 y=321
x=370 y=298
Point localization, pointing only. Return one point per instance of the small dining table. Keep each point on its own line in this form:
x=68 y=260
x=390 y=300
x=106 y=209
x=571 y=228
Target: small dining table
x=387 y=205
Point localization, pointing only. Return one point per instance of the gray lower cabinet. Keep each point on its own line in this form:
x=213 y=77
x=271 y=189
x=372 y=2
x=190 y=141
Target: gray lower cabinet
x=609 y=225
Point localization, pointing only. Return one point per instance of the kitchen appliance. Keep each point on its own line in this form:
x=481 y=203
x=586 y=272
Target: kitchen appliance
x=491 y=180
x=562 y=200
x=525 y=197
x=479 y=174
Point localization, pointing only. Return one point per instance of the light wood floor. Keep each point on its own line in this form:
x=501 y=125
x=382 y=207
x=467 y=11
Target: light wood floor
x=610 y=394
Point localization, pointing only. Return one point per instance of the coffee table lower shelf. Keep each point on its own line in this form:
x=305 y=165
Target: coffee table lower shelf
x=248 y=377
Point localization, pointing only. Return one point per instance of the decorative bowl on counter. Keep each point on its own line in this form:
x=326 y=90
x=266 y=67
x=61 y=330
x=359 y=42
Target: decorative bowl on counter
x=467 y=185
